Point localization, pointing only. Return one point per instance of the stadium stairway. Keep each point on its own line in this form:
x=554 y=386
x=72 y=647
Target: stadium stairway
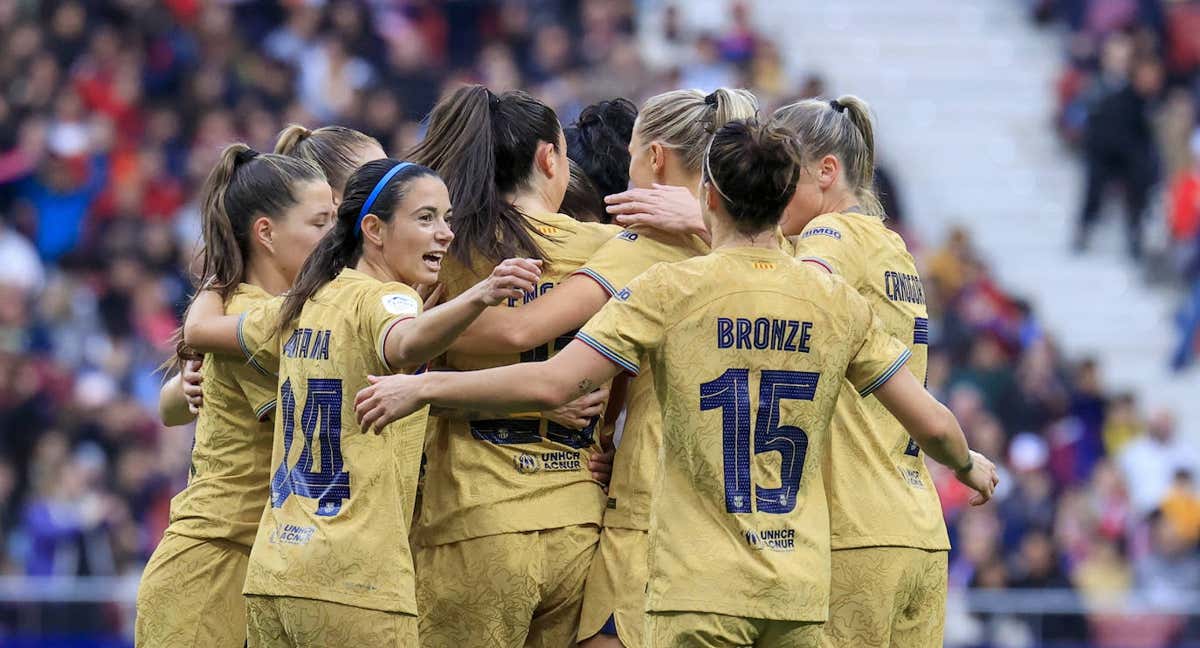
x=964 y=97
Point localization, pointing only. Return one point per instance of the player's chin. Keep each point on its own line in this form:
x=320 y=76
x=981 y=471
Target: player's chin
x=425 y=273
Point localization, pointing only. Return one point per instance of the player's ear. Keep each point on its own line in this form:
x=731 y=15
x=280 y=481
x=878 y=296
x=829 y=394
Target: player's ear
x=262 y=230
x=658 y=159
x=711 y=199
x=829 y=169
x=545 y=160
x=372 y=230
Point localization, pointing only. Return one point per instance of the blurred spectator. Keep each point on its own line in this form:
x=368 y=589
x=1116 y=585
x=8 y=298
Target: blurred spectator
x=1150 y=462
x=1181 y=507
x=1170 y=573
x=1118 y=140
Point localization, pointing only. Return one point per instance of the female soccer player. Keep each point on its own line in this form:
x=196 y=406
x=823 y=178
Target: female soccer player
x=261 y=216
x=598 y=146
x=889 y=540
x=510 y=512
x=669 y=138
x=331 y=563
x=891 y=535
x=739 y=538
x=337 y=150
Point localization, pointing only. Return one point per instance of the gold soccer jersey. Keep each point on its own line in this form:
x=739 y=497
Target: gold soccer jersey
x=231 y=458
x=869 y=446
x=613 y=266
x=336 y=526
x=486 y=477
x=739 y=524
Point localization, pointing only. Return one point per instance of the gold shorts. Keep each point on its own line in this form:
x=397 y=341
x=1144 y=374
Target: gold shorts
x=616 y=586
x=191 y=594
x=290 y=622
x=707 y=630
x=508 y=590
x=887 y=596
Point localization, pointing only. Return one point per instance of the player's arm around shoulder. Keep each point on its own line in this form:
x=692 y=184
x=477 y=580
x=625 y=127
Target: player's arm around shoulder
x=410 y=340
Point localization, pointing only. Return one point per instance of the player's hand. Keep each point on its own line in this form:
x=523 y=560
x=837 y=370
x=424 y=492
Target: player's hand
x=189 y=380
x=579 y=412
x=601 y=463
x=510 y=280
x=385 y=400
x=981 y=478
x=663 y=207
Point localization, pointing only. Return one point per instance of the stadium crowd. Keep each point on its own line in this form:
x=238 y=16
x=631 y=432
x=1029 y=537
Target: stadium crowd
x=112 y=111
x=1129 y=98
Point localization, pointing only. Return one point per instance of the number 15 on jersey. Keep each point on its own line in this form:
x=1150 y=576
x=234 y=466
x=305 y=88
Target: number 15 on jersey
x=730 y=393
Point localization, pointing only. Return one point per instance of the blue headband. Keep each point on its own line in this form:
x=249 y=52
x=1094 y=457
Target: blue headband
x=366 y=208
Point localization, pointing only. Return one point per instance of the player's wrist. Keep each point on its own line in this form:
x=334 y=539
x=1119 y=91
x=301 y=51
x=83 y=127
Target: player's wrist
x=965 y=467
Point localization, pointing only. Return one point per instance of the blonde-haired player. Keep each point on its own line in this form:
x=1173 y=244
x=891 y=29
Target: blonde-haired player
x=670 y=135
x=739 y=538
x=889 y=541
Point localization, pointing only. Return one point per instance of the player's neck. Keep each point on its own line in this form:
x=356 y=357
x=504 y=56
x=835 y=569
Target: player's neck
x=376 y=269
x=840 y=203
x=266 y=275
x=532 y=203
x=730 y=237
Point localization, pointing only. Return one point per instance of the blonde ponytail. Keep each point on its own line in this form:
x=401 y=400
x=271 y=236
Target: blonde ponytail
x=685 y=120
x=840 y=127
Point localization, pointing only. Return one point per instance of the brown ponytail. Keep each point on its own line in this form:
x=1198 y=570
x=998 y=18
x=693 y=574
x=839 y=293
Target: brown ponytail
x=337 y=150
x=483 y=146
x=753 y=168
x=241 y=187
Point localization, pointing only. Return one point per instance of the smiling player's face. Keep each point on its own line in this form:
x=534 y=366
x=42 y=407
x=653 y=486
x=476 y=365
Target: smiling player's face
x=416 y=239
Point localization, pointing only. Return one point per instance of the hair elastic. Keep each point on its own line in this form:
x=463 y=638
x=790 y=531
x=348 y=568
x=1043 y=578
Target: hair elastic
x=366 y=208
x=243 y=156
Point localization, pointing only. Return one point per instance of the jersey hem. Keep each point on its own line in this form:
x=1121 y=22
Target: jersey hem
x=378 y=604
x=381 y=350
x=598 y=278
x=805 y=614
x=889 y=541
x=241 y=338
x=887 y=374
x=616 y=358
x=496 y=519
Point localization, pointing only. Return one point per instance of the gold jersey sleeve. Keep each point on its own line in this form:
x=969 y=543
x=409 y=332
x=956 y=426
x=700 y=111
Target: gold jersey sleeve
x=521 y=473
x=625 y=256
x=335 y=525
x=901 y=508
x=231 y=456
x=749 y=349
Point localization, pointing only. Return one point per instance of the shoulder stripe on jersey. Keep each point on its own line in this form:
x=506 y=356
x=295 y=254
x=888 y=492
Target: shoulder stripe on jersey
x=382 y=348
x=887 y=374
x=603 y=350
x=821 y=262
x=608 y=287
x=265 y=410
x=245 y=350
x=921 y=331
